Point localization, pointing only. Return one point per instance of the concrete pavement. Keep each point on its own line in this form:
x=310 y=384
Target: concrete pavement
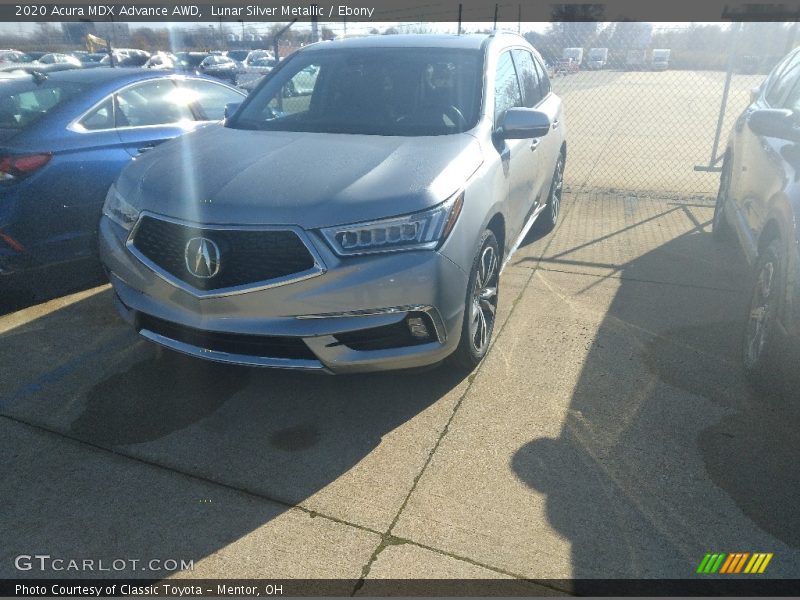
x=609 y=432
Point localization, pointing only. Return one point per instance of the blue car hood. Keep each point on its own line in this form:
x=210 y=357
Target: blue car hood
x=219 y=175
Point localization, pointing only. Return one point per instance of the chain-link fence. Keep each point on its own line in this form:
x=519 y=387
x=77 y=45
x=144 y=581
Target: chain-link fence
x=649 y=106
x=645 y=104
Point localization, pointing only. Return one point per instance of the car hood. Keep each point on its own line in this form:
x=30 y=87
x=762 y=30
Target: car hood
x=219 y=175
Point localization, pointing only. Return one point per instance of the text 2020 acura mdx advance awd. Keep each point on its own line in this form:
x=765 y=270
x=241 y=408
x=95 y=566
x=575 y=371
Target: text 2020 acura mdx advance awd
x=353 y=214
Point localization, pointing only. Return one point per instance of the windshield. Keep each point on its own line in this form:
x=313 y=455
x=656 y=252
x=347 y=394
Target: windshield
x=374 y=91
x=25 y=102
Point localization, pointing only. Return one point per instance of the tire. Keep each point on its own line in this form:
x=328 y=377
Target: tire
x=480 y=305
x=761 y=339
x=720 y=228
x=547 y=221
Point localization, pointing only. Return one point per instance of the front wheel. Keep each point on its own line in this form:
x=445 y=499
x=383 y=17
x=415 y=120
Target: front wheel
x=481 y=304
x=549 y=218
x=760 y=352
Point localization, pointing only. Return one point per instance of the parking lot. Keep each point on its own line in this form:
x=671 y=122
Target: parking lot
x=646 y=131
x=609 y=432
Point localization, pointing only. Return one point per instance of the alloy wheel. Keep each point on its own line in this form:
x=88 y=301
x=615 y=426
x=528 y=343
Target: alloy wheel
x=484 y=300
x=761 y=309
x=558 y=187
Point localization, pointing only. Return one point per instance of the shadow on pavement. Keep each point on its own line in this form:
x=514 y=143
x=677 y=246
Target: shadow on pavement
x=283 y=436
x=48 y=284
x=660 y=408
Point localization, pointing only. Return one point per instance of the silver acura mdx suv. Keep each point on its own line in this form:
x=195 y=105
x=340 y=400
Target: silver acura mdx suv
x=353 y=214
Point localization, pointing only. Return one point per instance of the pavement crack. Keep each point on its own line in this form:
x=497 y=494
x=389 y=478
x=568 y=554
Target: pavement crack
x=388 y=536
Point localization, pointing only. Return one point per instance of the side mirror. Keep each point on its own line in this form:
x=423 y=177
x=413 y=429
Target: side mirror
x=775 y=123
x=231 y=108
x=524 y=123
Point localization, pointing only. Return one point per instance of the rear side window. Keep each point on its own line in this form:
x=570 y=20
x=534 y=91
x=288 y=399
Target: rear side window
x=153 y=103
x=544 y=79
x=528 y=78
x=506 y=87
x=22 y=103
x=209 y=98
x=100 y=118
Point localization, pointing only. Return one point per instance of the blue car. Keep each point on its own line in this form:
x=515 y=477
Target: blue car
x=64 y=138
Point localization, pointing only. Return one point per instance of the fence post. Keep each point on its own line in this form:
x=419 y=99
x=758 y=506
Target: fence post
x=735 y=31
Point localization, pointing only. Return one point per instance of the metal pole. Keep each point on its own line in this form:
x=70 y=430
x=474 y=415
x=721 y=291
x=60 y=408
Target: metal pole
x=519 y=19
x=710 y=167
x=495 y=17
x=460 y=8
x=276 y=39
x=724 y=104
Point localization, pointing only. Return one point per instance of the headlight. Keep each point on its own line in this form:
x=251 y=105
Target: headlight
x=422 y=230
x=118 y=210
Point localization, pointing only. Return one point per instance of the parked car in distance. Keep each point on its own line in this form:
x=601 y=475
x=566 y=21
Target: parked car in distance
x=238 y=56
x=759 y=206
x=65 y=137
x=360 y=227
x=190 y=61
x=598 y=58
x=660 y=60
x=127 y=59
x=90 y=61
x=14 y=56
x=161 y=61
x=57 y=58
x=220 y=67
x=257 y=64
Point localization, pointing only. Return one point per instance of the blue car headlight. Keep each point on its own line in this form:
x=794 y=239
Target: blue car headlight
x=119 y=210
x=424 y=230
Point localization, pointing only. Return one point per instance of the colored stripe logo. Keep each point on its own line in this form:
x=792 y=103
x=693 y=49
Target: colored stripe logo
x=732 y=563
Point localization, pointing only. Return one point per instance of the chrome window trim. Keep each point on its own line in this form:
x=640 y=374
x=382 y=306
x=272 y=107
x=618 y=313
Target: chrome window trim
x=316 y=270
x=76 y=127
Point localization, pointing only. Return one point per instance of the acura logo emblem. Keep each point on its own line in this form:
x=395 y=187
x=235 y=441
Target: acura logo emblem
x=202 y=257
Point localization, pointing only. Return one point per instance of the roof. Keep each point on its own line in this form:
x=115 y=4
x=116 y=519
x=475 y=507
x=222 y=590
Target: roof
x=99 y=75
x=425 y=40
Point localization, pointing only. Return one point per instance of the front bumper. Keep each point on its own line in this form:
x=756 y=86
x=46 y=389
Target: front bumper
x=369 y=295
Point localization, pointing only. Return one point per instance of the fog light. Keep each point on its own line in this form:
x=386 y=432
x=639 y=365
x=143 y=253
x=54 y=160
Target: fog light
x=417 y=327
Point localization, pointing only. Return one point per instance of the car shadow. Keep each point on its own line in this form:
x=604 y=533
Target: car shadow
x=48 y=284
x=663 y=437
x=277 y=435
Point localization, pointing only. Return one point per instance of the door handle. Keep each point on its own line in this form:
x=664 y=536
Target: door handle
x=146 y=148
x=535 y=144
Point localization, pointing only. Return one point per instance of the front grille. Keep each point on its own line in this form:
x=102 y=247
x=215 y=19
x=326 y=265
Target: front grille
x=396 y=335
x=246 y=256
x=262 y=346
